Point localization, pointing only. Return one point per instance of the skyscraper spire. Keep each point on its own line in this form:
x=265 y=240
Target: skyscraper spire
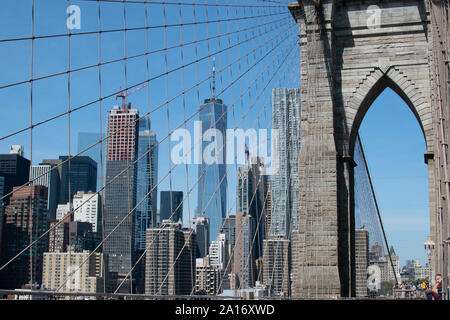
x=214 y=79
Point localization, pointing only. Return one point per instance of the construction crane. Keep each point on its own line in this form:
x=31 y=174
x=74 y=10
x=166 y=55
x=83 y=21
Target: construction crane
x=125 y=94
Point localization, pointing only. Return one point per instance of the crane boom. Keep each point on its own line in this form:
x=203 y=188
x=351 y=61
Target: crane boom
x=125 y=94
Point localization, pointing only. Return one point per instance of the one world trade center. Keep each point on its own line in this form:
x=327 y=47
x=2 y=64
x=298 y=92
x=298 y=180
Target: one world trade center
x=212 y=187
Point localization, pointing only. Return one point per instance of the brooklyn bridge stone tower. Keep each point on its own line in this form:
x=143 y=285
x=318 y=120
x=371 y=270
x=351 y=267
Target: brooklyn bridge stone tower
x=350 y=52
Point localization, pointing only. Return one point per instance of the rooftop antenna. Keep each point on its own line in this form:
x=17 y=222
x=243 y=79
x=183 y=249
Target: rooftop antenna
x=214 y=79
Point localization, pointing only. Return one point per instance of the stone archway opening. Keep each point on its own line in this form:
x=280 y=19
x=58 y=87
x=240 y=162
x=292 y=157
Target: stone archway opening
x=394 y=145
x=356 y=108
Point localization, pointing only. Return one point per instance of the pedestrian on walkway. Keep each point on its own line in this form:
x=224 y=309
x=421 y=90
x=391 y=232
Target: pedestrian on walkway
x=427 y=291
x=436 y=291
x=414 y=291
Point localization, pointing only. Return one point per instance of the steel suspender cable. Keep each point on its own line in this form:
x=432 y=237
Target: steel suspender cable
x=102 y=174
x=31 y=226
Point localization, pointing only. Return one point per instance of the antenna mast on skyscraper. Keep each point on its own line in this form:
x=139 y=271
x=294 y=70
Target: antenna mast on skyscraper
x=214 y=79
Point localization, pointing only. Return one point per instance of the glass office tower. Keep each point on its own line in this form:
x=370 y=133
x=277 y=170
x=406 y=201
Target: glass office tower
x=147 y=179
x=212 y=187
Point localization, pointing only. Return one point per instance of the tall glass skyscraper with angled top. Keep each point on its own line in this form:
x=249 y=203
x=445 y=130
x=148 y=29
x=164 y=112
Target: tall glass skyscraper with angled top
x=147 y=180
x=212 y=186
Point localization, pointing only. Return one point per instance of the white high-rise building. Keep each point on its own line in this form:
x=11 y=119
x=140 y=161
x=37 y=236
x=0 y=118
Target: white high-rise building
x=87 y=208
x=207 y=277
x=217 y=252
x=62 y=210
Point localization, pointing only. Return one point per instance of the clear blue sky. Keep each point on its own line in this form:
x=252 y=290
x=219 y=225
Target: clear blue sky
x=394 y=145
